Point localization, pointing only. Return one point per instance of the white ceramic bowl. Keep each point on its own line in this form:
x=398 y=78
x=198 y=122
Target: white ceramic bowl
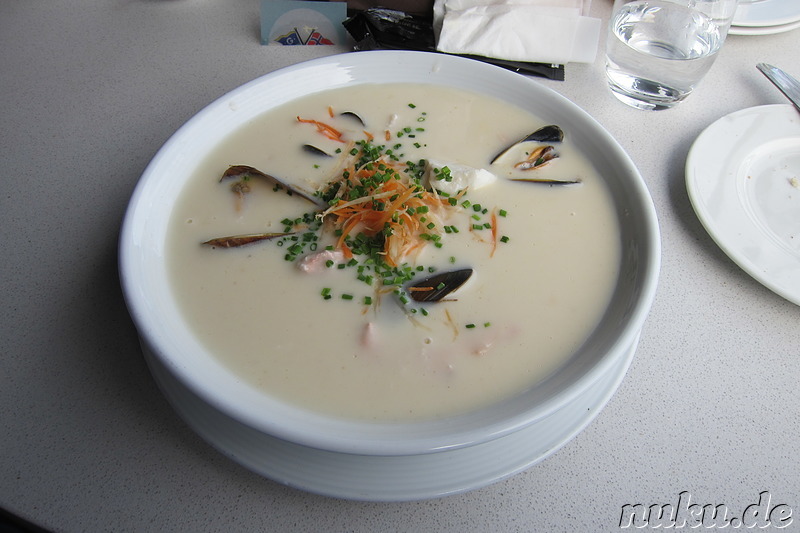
x=167 y=337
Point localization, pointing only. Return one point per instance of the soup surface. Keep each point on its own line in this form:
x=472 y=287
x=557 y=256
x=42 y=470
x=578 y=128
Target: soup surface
x=324 y=314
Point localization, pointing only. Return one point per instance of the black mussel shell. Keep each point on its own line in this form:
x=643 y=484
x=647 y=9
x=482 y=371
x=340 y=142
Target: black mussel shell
x=546 y=134
x=245 y=171
x=352 y=115
x=436 y=287
x=548 y=181
x=311 y=149
x=234 y=241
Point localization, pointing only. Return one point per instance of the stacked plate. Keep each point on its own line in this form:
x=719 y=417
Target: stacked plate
x=765 y=17
x=389 y=478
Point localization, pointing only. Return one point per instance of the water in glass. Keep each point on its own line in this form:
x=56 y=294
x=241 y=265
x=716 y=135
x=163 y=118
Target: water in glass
x=658 y=51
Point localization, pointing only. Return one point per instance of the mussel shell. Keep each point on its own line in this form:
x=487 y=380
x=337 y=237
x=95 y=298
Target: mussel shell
x=429 y=290
x=352 y=115
x=548 y=181
x=545 y=134
x=245 y=171
x=311 y=149
x=234 y=241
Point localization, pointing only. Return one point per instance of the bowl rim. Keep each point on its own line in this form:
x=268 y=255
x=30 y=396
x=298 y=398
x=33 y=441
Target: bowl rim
x=322 y=431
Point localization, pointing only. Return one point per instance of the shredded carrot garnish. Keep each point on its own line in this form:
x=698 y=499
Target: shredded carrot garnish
x=328 y=131
x=348 y=253
x=392 y=204
x=330 y=111
x=387 y=135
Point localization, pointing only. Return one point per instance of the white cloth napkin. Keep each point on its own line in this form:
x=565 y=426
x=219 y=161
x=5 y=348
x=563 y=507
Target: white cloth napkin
x=541 y=31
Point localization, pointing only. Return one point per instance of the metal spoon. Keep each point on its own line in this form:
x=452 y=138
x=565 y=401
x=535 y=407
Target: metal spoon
x=783 y=81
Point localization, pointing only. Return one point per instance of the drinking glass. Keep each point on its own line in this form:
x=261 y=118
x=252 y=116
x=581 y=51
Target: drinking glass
x=658 y=50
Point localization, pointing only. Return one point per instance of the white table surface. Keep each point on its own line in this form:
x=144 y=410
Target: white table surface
x=91 y=90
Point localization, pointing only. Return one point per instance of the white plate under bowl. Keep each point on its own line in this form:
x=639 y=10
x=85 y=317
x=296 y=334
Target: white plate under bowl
x=743 y=179
x=390 y=478
x=148 y=293
x=762 y=13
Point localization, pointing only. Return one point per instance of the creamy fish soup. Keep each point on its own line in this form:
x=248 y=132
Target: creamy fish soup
x=419 y=278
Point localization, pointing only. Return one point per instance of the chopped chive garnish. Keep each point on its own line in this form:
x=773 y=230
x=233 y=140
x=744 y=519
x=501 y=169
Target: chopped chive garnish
x=470 y=326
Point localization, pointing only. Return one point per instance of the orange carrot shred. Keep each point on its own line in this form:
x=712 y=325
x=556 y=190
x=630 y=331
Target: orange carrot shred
x=328 y=131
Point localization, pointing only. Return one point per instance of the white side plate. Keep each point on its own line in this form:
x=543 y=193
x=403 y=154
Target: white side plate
x=743 y=178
